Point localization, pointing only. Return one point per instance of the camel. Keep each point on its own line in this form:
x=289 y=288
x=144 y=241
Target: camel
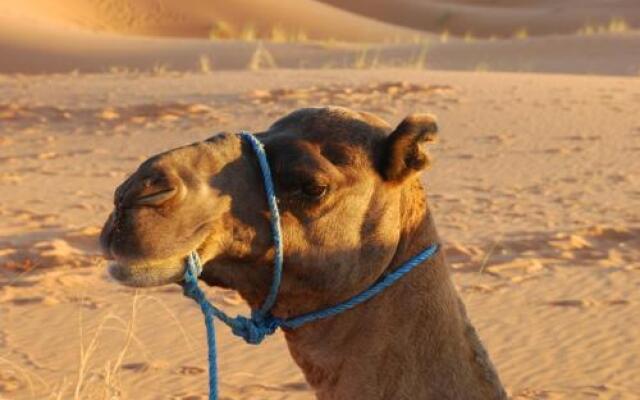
x=352 y=208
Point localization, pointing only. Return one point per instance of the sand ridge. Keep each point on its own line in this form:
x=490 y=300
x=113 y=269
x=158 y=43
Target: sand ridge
x=202 y=19
x=498 y=18
x=350 y=20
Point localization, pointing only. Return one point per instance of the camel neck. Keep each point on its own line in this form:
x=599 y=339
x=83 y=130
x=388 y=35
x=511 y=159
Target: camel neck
x=412 y=341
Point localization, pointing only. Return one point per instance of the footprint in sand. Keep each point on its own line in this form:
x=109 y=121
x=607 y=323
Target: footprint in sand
x=577 y=303
x=190 y=370
x=76 y=248
x=136 y=367
x=349 y=95
x=143 y=366
x=5 y=141
x=497 y=139
x=583 y=137
x=516 y=269
x=9 y=382
x=296 y=386
x=535 y=394
x=10 y=178
x=55 y=252
x=584 y=303
x=25 y=301
x=183 y=396
x=85 y=302
x=556 y=150
x=480 y=288
x=458 y=253
x=618 y=302
x=108 y=114
x=146 y=113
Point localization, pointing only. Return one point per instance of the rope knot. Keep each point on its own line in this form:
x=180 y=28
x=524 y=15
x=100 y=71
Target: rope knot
x=253 y=330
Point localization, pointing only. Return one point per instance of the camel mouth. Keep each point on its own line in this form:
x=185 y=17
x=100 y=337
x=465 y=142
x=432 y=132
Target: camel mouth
x=147 y=273
x=139 y=271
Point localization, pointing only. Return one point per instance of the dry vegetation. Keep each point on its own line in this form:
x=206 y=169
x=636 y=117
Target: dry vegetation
x=261 y=59
x=222 y=30
x=615 y=25
x=368 y=58
x=521 y=33
x=103 y=381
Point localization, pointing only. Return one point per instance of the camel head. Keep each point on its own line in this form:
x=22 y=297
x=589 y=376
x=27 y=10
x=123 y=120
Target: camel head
x=341 y=179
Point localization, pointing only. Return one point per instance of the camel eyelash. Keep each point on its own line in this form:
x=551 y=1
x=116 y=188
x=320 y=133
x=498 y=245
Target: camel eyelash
x=314 y=190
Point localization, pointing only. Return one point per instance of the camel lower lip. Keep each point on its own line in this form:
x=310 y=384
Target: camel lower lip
x=145 y=275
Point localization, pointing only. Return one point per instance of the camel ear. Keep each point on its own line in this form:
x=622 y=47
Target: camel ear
x=402 y=156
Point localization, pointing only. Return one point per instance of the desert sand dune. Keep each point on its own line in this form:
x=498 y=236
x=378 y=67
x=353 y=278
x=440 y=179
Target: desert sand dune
x=53 y=37
x=360 y=20
x=46 y=47
x=503 y=18
x=277 y=19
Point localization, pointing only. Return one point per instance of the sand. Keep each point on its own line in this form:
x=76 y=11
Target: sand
x=535 y=186
x=545 y=252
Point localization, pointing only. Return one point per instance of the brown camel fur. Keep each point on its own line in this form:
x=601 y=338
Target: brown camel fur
x=353 y=207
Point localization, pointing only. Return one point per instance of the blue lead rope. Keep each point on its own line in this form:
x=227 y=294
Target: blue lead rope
x=262 y=323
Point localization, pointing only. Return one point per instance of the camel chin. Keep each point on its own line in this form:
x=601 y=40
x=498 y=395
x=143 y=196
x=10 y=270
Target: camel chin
x=147 y=273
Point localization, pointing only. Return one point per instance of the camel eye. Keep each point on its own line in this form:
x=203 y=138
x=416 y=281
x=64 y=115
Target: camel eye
x=155 y=198
x=315 y=190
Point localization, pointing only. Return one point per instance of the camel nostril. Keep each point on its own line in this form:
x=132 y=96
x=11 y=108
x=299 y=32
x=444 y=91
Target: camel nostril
x=156 y=198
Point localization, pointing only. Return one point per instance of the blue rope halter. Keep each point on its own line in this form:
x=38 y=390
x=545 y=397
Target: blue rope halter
x=261 y=323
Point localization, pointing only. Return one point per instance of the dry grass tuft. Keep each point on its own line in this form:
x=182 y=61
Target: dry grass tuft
x=261 y=59
x=444 y=36
x=248 y=34
x=104 y=383
x=521 y=33
x=160 y=69
x=221 y=30
x=280 y=35
x=488 y=255
x=368 y=58
x=360 y=61
x=618 y=25
x=469 y=38
x=87 y=386
x=420 y=60
x=615 y=25
x=13 y=373
x=204 y=64
x=482 y=67
x=119 y=70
